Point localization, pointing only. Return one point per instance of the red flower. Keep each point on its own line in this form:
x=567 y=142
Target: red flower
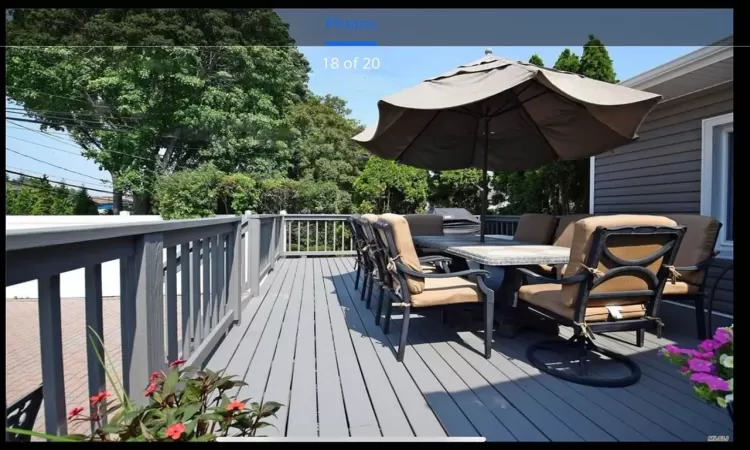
x=175 y=431
x=96 y=399
x=150 y=389
x=154 y=376
x=235 y=405
x=177 y=362
x=74 y=412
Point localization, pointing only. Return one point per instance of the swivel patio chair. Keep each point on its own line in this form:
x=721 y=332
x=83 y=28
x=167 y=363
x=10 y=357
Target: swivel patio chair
x=613 y=282
x=415 y=288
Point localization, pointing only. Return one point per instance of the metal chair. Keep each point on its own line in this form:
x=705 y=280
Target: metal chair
x=415 y=288
x=22 y=415
x=359 y=246
x=613 y=282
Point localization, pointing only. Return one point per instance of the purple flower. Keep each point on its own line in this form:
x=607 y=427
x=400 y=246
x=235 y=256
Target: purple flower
x=723 y=336
x=673 y=349
x=700 y=365
x=712 y=381
x=705 y=355
x=684 y=369
x=709 y=345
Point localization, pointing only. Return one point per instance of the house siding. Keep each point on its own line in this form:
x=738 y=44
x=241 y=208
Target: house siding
x=661 y=172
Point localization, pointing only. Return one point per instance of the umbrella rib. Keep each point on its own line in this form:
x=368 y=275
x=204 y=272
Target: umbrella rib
x=437 y=113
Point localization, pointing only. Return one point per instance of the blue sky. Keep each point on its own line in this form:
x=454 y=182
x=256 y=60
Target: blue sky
x=399 y=68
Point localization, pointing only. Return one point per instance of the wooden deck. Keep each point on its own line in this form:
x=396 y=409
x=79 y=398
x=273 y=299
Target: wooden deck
x=308 y=342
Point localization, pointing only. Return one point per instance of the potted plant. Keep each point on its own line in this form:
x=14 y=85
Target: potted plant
x=710 y=367
x=184 y=404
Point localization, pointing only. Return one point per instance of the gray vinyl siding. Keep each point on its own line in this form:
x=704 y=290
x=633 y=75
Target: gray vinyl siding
x=661 y=172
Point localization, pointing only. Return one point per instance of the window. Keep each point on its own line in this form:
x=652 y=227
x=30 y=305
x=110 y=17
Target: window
x=717 y=178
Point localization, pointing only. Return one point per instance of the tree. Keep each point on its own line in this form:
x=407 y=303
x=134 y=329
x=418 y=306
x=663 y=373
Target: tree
x=536 y=60
x=238 y=193
x=278 y=194
x=33 y=196
x=188 y=194
x=322 y=198
x=213 y=85
x=561 y=187
x=386 y=186
x=456 y=189
x=324 y=149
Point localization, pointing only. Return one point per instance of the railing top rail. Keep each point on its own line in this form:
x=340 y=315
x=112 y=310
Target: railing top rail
x=316 y=216
x=262 y=216
x=42 y=237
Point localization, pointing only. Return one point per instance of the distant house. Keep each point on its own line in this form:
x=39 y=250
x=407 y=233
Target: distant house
x=683 y=161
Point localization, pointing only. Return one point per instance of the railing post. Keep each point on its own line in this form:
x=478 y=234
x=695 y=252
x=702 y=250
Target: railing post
x=254 y=239
x=94 y=345
x=235 y=279
x=283 y=235
x=148 y=336
x=50 y=332
x=272 y=247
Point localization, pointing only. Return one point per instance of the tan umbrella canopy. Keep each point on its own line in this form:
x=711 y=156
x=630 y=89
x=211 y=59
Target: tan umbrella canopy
x=532 y=116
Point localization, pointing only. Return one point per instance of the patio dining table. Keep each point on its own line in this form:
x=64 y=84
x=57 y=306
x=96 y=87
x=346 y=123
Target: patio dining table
x=497 y=254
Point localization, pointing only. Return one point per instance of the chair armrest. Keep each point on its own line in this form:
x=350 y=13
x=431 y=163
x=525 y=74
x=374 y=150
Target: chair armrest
x=463 y=273
x=703 y=265
x=528 y=274
x=435 y=258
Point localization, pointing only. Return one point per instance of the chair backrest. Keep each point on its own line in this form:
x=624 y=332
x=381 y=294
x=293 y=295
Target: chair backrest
x=535 y=228
x=564 y=233
x=425 y=224
x=629 y=256
x=401 y=248
x=359 y=238
x=697 y=245
x=22 y=415
x=365 y=223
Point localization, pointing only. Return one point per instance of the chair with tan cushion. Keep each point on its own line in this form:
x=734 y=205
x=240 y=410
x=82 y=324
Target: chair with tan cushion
x=613 y=282
x=535 y=229
x=415 y=288
x=376 y=253
x=360 y=245
x=563 y=237
x=695 y=256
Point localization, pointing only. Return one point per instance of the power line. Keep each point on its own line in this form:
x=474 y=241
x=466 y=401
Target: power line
x=51 y=136
x=53 y=165
x=64 y=179
x=50 y=181
x=114 y=130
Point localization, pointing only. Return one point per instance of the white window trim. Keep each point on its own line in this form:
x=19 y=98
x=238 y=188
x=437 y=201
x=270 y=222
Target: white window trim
x=725 y=247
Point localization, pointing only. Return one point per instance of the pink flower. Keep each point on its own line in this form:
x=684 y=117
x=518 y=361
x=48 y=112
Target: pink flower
x=150 y=389
x=684 y=369
x=705 y=355
x=700 y=365
x=712 y=381
x=709 y=345
x=175 y=431
x=673 y=349
x=177 y=362
x=723 y=336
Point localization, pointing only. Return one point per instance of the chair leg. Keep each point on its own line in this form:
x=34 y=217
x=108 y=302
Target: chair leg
x=640 y=337
x=404 y=333
x=365 y=279
x=381 y=299
x=489 y=321
x=388 y=310
x=356 y=279
x=369 y=292
x=700 y=317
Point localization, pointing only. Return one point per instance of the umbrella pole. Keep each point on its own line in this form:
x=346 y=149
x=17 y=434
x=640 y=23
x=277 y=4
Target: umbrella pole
x=485 y=183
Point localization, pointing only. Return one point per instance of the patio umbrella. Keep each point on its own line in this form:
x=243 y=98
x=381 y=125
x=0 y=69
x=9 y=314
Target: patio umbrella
x=502 y=115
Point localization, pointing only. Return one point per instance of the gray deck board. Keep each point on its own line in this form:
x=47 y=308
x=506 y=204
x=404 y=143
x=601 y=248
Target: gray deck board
x=333 y=422
x=280 y=378
x=309 y=342
x=451 y=416
x=225 y=352
x=303 y=404
x=359 y=410
x=399 y=407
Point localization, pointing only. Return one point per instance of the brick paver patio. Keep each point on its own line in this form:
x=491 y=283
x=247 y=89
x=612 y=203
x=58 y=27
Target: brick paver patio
x=23 y=372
